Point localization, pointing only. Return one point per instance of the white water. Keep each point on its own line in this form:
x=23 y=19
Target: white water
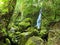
x=39 y=19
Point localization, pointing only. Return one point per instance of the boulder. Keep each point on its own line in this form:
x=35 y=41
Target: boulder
x=34 y=40
x=54 y=35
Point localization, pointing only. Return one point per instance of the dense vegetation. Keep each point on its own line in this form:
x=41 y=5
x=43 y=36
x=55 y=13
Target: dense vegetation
x=18 y=20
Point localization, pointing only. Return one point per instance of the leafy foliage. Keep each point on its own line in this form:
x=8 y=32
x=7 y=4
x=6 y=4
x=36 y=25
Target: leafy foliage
x=3 y=6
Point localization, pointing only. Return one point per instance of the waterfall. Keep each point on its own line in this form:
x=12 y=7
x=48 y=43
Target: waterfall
x=39 y=19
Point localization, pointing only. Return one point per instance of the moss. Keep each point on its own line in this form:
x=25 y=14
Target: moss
x=24 y=25
x=8 y=41
x=34 y=41
x=27 y=20
x=43 y=32
x=53 y=35
x=24 y=37
x=14 y=36
x=31 y=29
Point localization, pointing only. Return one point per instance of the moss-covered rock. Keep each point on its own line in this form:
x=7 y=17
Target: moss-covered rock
x=25 y=36
x=53 y=35
x=35 y=41
x=27 y=20
x=31 y=29
x=24 y=24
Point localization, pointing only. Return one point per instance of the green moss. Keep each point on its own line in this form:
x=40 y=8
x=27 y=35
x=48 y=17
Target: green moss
x=24 y=37
x=8 y=41
x=24 y=25
x=3 y=7
x=42 y=33
x=27 y=20
x=31 y=29
x=34 y=41
x=33 y=17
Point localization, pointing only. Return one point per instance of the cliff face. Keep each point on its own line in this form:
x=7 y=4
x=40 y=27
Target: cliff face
x=53 y=36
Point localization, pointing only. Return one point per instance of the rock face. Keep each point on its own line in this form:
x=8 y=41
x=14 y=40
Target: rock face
x=34 y=40
x=54 y=35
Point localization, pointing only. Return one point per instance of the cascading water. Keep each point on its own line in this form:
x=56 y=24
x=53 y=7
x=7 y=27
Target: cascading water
x=39 y=19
